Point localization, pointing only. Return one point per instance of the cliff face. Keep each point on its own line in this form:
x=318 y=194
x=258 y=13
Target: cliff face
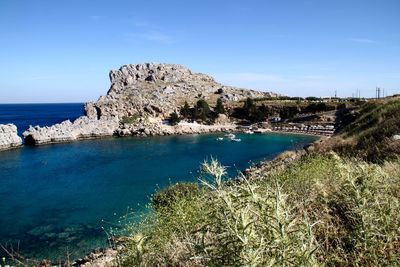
x=146 y=91
x=9 y=137
x=159 y=89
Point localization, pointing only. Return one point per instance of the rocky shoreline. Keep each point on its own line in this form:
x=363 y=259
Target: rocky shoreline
x=84 y=128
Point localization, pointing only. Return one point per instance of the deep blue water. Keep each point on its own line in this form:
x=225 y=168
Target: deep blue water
x=23 y=115
x=59 y=197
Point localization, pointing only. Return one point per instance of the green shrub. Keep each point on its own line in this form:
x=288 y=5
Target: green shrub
x=202 y=110
x=354 y=204
x=322 y=210
x=174 y=118
x=219 y=108
x=165 y=198
x=131 y=119
x=185 y=110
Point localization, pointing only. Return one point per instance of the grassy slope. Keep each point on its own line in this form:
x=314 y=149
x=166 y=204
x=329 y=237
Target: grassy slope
x=369 y=137
x=321 y=210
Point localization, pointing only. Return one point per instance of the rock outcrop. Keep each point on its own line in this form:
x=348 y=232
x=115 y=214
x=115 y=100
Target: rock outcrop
x=149 y=92
x=82 y=128
x=9 y=137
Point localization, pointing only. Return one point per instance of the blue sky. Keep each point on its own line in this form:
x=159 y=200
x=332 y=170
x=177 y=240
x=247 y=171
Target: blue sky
x=62 y=51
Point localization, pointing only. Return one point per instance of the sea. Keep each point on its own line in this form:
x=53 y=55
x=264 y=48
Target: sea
x=67 y=199
x=24 y=115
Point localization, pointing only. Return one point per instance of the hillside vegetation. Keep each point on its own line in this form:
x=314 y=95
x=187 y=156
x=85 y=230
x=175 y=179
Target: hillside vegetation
x=325 y=209
x=370 y=136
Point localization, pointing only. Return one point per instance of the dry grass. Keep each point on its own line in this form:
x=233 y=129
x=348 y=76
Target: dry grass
x=321 y=210
x=369 y=137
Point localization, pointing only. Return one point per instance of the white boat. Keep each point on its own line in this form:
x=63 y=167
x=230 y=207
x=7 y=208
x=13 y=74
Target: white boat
x=220 y=138
x=230 y=135
x=236 y=139
x=248 y=132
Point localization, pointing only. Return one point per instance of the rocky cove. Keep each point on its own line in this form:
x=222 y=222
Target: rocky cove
x=66 y=197
x=139 y=102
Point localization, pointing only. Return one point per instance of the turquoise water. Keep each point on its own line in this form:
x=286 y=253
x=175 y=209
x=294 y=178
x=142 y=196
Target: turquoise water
x=59 y=197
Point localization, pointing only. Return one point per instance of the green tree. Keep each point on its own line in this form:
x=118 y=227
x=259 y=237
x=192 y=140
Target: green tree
x=174 y=118
x=202 y=110
x=260 y=114
x=249 y=107
x=185 y=110
x=317 y=107
x=219 y=108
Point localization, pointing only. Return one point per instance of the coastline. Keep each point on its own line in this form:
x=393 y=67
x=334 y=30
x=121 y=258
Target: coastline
x=155 y=129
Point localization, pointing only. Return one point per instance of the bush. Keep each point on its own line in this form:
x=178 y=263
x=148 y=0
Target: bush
x=219 y=108
x=185 y=110
x=322 y=210
x=131 y=119
x=317 y=107
x=165 y=198
x=174 y=118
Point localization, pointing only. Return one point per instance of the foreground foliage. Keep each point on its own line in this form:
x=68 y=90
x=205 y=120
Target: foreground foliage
x=322 y=210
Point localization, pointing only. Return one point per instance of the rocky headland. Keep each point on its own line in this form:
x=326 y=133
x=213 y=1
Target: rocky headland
x=9 y=137
x=139 y=101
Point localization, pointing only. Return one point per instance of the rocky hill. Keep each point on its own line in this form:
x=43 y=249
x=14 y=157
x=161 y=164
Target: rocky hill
x=158 y=90
x=147 y=92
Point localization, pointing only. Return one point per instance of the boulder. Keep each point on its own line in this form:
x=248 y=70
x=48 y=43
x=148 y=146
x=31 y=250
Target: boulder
x=9 y=137
x=222 y=119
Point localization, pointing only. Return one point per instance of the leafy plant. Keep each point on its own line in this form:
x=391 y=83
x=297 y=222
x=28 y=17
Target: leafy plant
x=322 y=210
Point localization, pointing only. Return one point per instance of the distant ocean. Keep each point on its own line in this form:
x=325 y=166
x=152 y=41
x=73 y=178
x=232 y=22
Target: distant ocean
x=23 y=115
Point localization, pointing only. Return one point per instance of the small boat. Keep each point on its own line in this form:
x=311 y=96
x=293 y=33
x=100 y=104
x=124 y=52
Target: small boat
x=220 y=138
x=230 y=135
x=248 y=132
x=236 y=139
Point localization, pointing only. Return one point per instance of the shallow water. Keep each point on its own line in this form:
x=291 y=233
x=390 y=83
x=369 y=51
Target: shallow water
x=56 y=198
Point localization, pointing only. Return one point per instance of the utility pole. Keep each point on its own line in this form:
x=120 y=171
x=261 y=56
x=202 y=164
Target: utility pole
x=378 y=93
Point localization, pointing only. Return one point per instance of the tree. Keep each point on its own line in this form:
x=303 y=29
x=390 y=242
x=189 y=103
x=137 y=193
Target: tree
x=174 y=118
x=185 y=110
x=289 y=112
x=317 y=107
x=313 y=98
x=219 y=108
x=202 y=110
x=249 y=107
x=263 y=112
